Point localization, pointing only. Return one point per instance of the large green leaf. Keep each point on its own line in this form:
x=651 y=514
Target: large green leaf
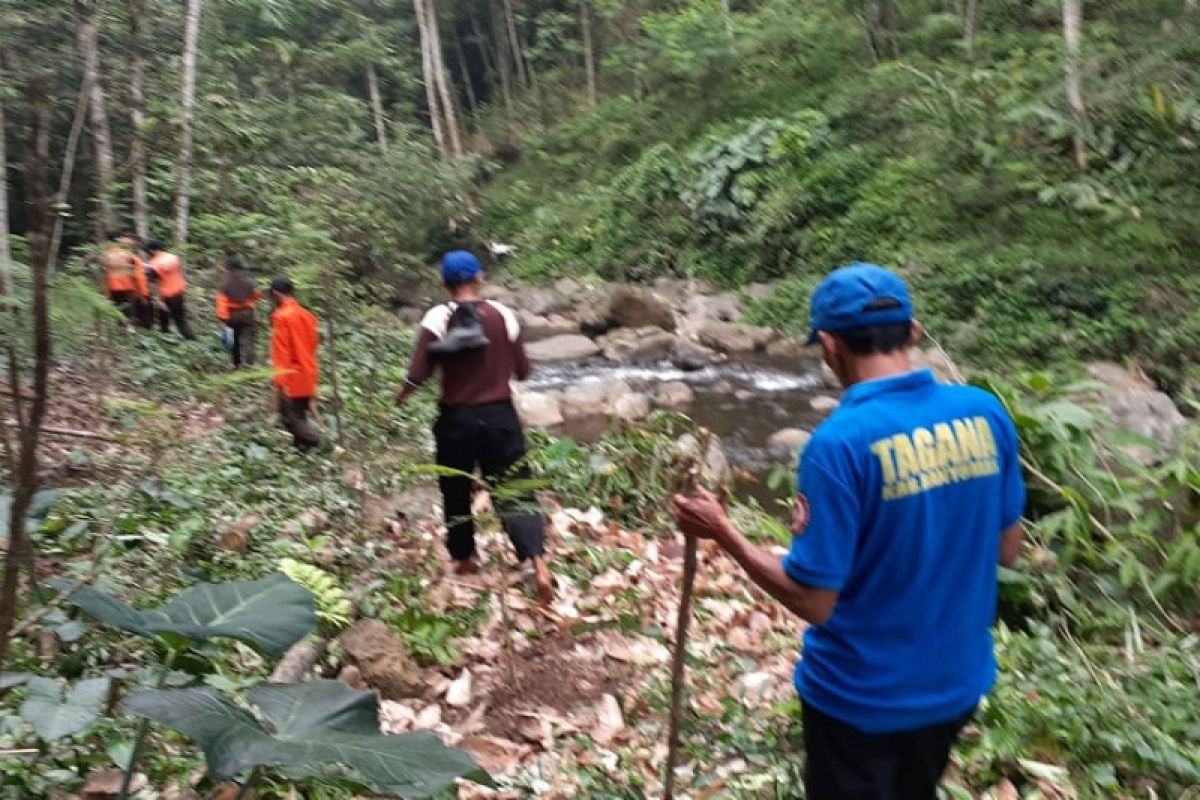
x=320 y=729
x=39 y=507
x=53 y=716
x=271 y=614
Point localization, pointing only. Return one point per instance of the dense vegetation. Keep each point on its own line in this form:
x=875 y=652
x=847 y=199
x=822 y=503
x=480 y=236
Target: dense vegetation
x=348 y=141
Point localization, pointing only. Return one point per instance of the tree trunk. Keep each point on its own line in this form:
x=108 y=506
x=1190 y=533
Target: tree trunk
x=137 y=115
x=468 y=84
x=183 y=179
x=377 y=107
x=970 y=16
x=25 y=479
x=869 y=35
x=5 y=246
x=486 y=53
x=443 y=82
x=429 y=79
x=1072 y=33
x=515 y=50
x=503 y=59
x=101 y=136
x=727 y=16
x=589 y=54
x=64 y=181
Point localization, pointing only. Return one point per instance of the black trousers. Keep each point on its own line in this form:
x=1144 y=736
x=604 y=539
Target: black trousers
x=133 y=306
x=245 y=335
x=844 y=763
x=488 y=437
x=175 y=310
x=293 y=416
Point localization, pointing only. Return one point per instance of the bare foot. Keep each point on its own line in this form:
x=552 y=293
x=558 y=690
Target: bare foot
x=466 y=567
x=544 y=581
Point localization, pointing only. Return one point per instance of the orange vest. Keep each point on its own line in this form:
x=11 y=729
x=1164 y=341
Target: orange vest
x=169 y=270
x=225 y=306
x=294 y=341
x=123 y=271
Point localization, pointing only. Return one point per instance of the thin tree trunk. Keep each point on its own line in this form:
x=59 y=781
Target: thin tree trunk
x=970 y=16
x=68 y=172
x=531 y=74
x=101 y=136
x=503 y=59
x=377 y=107
x=183 y=179
x=468 y=84
x=1072 y=34
x=515 y=51
x=589 y=54
x=137 y=116
x=429 y=79
x=5 y=246
x=727 y=16
x=25 y=479
x=443 y=82
x=481 y=43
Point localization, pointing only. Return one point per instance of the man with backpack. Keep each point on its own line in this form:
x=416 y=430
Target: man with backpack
x=475 y=346
x=125 y=277
x=166 y=269
x=294 y=343
x=236 y=301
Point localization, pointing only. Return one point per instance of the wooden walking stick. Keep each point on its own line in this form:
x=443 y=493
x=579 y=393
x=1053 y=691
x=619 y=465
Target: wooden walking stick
x=690 y=559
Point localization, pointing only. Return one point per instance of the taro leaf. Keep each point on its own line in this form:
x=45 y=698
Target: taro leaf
x=39 y=507
x=271 y=614
x=312 y=729
x=53 y=716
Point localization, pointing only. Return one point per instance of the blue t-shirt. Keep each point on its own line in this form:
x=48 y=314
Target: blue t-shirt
x=904 y=492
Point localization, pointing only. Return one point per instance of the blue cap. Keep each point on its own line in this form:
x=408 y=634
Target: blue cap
x=459 y=266
x=859 y=296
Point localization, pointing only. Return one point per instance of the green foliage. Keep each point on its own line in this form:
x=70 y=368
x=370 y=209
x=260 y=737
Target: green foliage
x=55 y=711
x=333 y=607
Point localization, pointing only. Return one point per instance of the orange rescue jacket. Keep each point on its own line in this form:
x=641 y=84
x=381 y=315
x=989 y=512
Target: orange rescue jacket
x=294 y=341
x=123 y=271
x=225 y=306
x=169 y=270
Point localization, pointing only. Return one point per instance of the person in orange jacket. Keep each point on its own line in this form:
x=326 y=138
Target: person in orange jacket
x=294 y=341
x=125 y=278
x=166 y=270
x=236 y=300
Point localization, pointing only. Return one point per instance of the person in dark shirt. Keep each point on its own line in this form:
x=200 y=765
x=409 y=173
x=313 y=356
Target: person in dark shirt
x=475 y=347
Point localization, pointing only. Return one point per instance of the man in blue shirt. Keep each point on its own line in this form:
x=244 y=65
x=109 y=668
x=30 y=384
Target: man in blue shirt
x=908 y=496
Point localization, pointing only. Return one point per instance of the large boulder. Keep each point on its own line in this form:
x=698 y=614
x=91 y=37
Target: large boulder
x=637 y=345
x=539 y=409
x=592 y=398
x=721 y=308
x=382 y=659
x=544 y=301
x=789 y=346
x=732 y=337
x=690 y=357
x=1134 y=404
x=674 y=395
x=630 y=307
x=565 y=347
x=537 y=327
x=631 y=407
x=785 y=445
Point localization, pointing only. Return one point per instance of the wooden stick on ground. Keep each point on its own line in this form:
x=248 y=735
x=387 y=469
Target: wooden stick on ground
x=67 y=432
x=687 y=590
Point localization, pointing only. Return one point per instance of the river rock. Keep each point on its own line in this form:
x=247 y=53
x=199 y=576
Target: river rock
x=592 y=397
x=539 y=327
x=566 y=347
x=690 y=357
x=757 y=292
x=382 y=659
x=823 y=403
x=637 y=345
x=785 y=445
x=721 y=308
x=733 y=337
x=716 y=466
x=935 y=359
x=630 y=307
x=539 y=409
x=543 y=301
x=631 y=407
x=787 y=346
x=1134 y=404
x=674 y=395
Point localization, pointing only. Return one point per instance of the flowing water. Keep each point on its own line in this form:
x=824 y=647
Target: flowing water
x=743 y=401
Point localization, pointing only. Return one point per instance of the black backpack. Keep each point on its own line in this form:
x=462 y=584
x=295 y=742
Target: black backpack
x=464 y=332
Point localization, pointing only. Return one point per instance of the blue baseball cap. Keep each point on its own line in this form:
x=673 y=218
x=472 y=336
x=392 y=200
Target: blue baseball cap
x=859 y=296
x=459 y=266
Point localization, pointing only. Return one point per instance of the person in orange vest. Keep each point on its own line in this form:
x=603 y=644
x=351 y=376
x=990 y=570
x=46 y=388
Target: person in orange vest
x=294 y=341
x=125 y=277
x=166 y=270
x=236 y=300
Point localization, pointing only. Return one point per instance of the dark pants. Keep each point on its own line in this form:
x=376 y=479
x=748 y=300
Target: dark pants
x=126 y=303
x=293 y=415
x=245 y=335
x=488 y=437
x=844 y=763
x=175 y=310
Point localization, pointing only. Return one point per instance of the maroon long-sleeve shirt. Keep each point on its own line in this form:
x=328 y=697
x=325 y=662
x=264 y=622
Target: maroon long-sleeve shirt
x=472 y=377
